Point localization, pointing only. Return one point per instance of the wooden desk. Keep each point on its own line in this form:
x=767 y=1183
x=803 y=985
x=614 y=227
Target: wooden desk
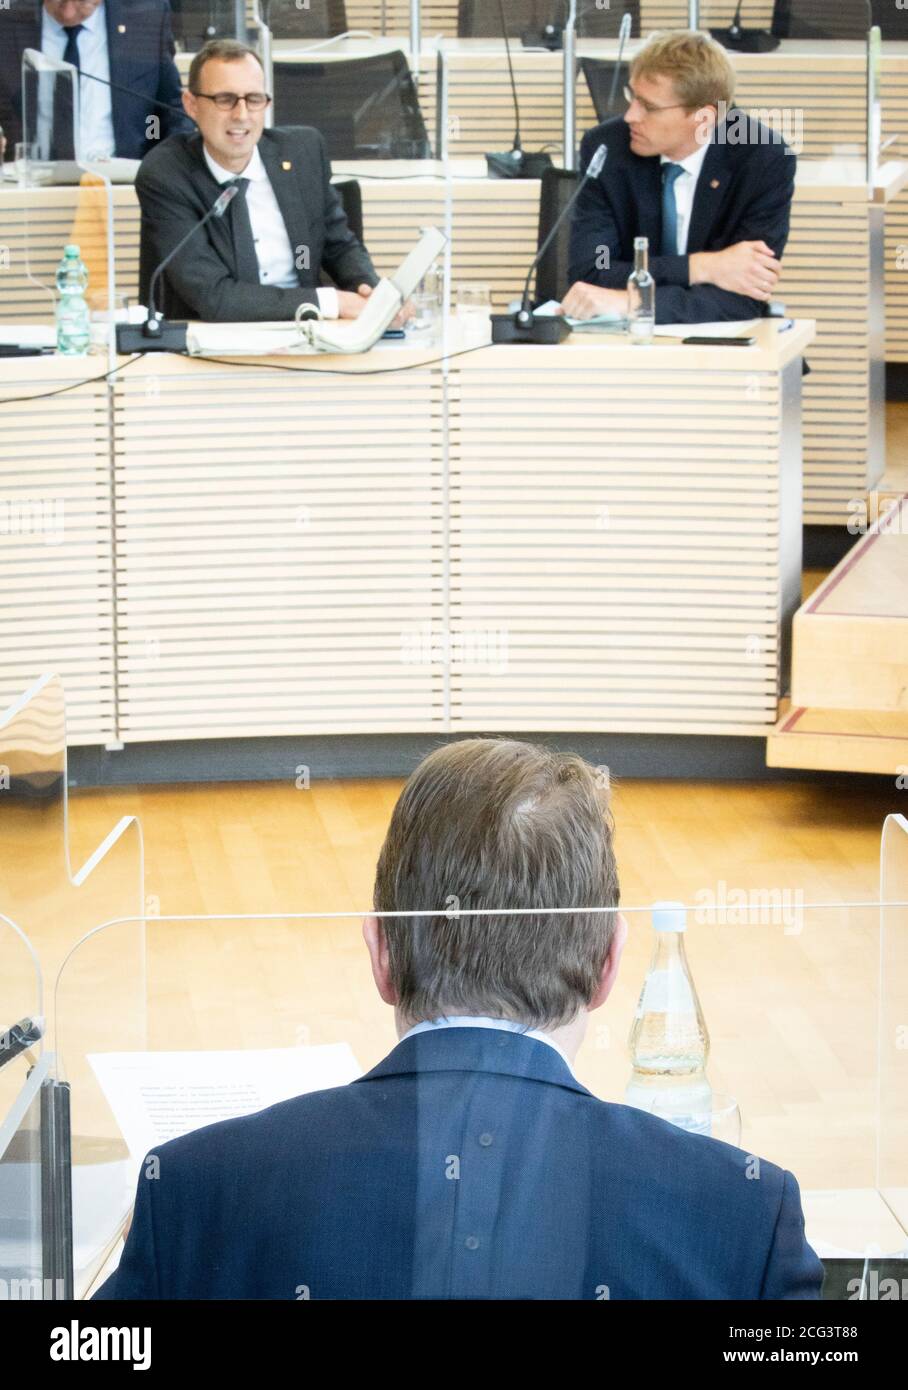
x=836 y=240
x=591 y=536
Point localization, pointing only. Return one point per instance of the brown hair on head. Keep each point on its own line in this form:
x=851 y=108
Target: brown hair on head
x=228 y=50
x=498 y=823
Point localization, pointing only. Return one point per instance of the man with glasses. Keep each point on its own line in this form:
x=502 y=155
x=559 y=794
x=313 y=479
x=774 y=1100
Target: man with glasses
x=263 y=259
x=710 y=187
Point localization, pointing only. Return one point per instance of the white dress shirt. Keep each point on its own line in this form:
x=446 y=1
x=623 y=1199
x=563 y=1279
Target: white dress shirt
x=269 y=232
x=684 y=189
x=95 y=136
x=506 y=1025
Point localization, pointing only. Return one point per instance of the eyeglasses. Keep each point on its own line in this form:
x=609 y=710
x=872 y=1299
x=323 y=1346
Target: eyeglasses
x=227 y=101
x=648 y=106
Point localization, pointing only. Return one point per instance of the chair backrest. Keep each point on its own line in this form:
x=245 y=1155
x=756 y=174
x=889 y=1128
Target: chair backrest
x=555 y=191
x=847 y=19
x=604 y=23
x=351 y=195
x=606 y=81
x=366 y=108
x=197 y=21
x=481 y=19
x=318 y=19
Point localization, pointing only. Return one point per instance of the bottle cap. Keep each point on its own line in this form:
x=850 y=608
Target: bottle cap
x=72 y=250
x=669 y=916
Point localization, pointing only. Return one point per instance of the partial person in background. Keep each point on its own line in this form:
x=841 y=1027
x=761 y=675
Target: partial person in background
x=708 y=186
x=472 y=1163
x=264 y=258
x=127 y=43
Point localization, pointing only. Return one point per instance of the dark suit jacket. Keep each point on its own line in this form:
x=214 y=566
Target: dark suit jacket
x=216 y=277
x=743 y=193
x=468 y=1164
x=141 y=58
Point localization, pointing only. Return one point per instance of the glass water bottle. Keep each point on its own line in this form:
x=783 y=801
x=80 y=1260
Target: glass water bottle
x=641 y=295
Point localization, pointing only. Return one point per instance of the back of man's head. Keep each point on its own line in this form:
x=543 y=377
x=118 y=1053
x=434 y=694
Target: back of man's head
x=496 y=823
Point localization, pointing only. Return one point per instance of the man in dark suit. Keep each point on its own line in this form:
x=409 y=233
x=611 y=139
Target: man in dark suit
x=263 y=259
x=709 y=187
x=471 y=1162
x=127 y=43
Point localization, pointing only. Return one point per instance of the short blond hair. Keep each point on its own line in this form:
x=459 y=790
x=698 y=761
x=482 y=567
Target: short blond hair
x=697 y=65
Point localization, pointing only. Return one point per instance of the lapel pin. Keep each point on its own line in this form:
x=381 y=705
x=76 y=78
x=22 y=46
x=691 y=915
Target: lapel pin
x=285 y=164
x=121 y=28
x=714 y=183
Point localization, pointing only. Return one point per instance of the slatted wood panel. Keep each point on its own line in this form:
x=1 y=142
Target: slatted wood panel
x=819 y=85
x=493 y=228
x=34 y=228
x=638 y=589
x=829 y=246
x=280 y=551
x=440 y=16
x=895 y=122
x=56 y=580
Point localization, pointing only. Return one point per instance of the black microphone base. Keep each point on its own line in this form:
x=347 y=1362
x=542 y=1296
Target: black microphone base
x=514 y=164
x=551 y=37
x=746 y=40
x=507 y=329
x=132 y=338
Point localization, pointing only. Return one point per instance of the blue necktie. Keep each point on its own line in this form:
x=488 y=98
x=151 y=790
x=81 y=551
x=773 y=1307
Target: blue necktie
x=670 y=174
x=62 y=138
x=71 y=51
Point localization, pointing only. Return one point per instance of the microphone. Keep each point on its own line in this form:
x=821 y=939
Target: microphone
x=624 y=34
x=744 y=40
x=524 y=326
x=156 y=334
x=513 y=163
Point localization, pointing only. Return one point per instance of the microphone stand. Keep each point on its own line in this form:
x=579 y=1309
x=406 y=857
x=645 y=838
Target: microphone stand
x=513 y=163
x=744 y=40
x=156 y=334
x=524 y=326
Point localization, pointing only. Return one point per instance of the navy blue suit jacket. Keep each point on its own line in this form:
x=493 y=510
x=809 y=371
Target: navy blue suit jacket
x=743 y=193
x=468 y=1164
x=140 y=47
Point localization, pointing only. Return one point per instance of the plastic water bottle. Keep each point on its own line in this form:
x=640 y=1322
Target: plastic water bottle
x=641 y=295
x=73 y=327
x=669 y=1042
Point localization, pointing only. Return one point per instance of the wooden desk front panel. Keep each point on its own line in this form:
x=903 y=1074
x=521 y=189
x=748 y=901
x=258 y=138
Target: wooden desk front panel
x=638 y=587
x=56 y=543
x=279 y=551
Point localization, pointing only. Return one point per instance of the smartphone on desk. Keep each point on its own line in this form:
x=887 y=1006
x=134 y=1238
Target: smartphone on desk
x=694 y=341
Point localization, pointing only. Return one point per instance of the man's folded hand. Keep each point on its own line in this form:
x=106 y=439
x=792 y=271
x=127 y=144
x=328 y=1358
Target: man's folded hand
x=749 y=268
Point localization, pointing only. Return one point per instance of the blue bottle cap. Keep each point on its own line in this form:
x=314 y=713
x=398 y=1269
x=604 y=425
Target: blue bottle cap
x=669 y=916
